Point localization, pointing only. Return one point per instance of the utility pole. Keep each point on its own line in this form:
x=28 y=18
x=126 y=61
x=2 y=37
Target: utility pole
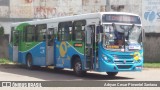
x=108 y=6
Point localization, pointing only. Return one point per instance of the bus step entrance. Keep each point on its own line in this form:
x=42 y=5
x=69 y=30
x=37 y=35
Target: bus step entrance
x=88 y=62
x=89 y=58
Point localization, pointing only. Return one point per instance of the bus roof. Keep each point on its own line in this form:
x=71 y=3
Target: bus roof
x=71 y=18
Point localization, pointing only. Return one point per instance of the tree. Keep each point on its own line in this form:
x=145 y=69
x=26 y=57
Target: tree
x=1 y=30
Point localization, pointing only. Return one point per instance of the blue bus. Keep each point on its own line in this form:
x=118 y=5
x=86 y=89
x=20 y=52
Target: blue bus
x=108 y=42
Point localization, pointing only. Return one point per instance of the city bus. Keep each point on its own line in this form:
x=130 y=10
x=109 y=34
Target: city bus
x=108 y=42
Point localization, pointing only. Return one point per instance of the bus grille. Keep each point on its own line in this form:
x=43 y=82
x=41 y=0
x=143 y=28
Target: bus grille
x=122 y=62
x=123 y=56
x=124 y=66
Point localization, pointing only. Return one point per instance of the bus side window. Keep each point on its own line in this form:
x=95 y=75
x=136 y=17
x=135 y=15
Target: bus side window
x=59 y=31
x=50 y=36
x=15 y=38
x=41 y=32
x=78 y=29
x=30 y=33
x=65 y=31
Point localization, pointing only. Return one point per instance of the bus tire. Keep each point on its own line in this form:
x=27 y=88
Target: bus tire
x=29 y=62
x=78 y=68
x=112 y=74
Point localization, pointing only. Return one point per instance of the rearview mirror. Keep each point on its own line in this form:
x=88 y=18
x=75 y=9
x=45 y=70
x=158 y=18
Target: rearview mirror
x=99 y=29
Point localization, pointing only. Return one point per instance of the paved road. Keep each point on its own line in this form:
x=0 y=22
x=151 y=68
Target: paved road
x=12 y=73
x=21 y=74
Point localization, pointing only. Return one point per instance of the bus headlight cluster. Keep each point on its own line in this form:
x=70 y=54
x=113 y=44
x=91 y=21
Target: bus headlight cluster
x=106 y=58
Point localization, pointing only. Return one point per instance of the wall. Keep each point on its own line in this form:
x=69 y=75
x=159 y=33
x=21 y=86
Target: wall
x=4 y=46
x=21 y=9
x=132 y=6
x=149 y=10
x=18 y=10
x=151 y=15
x=152 y=47
x=4 y=8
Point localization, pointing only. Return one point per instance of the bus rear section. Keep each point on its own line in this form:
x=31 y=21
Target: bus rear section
x=31 y=44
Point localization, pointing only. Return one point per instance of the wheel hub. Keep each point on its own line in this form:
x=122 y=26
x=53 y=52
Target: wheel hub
x=77 y=67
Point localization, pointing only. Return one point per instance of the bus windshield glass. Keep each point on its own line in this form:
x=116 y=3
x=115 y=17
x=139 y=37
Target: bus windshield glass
x=116 y=18
x=122 y=37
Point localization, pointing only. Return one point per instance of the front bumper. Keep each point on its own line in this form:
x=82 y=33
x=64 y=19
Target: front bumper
x=113 y=67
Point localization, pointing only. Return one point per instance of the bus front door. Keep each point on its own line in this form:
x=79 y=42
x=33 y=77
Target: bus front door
x=89 y=46
x=49 y=46
x=15 y=45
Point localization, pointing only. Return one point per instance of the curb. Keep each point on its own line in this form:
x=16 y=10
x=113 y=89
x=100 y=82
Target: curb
x=10 y=65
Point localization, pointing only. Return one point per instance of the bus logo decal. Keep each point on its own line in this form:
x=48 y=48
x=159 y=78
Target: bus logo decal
x=63 y=49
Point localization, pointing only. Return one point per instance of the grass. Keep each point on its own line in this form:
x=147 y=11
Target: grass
x=5 y=61
x=152 y=65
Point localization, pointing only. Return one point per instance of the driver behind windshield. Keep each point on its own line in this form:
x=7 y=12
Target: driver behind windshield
x=119 y=38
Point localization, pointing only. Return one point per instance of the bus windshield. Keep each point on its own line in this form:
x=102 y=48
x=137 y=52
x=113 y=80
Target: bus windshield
x=122 y=37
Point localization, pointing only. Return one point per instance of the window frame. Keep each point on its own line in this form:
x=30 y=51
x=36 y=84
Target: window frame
x=62 y=32
x=52 y=36
x=33 y=33
x=83 y=22
x=38 y=33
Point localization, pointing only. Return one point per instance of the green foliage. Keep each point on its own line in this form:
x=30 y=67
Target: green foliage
x=1 y=30
x=152 y=65
x=4 y=61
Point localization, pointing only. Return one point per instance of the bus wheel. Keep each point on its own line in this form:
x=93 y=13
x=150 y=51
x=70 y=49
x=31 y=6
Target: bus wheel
x=112 y=74
x=78 y=68
x=29 y=62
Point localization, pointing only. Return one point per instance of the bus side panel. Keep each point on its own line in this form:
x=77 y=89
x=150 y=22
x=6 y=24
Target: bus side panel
x=71 y=50
x=60 y=54
x=38 y=53
x=64 y=53
x=22 y=57
x=10 y=49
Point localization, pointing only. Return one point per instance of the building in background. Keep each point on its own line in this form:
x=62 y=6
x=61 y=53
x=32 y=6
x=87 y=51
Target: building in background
x=22 y=10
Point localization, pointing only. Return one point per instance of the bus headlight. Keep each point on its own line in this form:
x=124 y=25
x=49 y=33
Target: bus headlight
x=106 y=58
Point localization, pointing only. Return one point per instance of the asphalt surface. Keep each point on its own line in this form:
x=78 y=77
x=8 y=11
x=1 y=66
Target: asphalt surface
x=19 y=73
